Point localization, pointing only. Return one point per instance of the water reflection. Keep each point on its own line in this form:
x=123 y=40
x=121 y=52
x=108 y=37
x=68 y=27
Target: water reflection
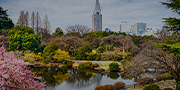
x=79 y=79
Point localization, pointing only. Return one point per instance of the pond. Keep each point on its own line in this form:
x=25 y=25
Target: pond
x=77 y=79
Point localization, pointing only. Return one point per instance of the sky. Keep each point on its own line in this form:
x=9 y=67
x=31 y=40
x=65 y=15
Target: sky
x=62 y=13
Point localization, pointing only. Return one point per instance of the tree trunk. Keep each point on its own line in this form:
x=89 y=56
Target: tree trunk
x=177 y=88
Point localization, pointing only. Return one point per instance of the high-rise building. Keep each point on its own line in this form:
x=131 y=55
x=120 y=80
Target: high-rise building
x=139 y=28
x=125 y=27
x=97 y=17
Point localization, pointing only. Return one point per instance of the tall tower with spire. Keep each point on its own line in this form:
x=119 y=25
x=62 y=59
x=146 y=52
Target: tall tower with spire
x=97 y=17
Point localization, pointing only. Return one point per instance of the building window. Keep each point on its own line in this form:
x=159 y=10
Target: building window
x=97 y=13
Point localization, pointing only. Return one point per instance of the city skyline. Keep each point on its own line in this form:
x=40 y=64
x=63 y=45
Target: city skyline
x=63 y=13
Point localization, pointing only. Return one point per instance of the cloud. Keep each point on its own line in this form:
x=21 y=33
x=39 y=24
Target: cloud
x=62 y=13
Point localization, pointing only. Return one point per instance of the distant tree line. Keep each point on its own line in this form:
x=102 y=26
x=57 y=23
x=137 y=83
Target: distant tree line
x=40 y=28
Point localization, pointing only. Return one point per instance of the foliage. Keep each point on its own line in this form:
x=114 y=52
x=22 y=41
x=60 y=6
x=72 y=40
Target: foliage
x=146 y=80
x=108 y=87
x=99 y=34
x=99 y=88
x=173 y=23
x=61 y=55
x=80 y=54
x=81 y=65
x=119 y=85
x=58 y=32
x=5 y=22
x=87 y=65
x=151 y=87
x=166 y=76
x=49 y=51
x=23 y=38
x=16 y=75
x=32 y=57
x=113 y=66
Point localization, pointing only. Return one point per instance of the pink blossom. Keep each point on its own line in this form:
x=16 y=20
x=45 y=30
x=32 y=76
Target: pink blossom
x=15 y=75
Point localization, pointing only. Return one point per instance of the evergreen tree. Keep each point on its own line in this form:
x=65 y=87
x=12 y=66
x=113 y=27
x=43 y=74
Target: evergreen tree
x=5 y=22
x=173 y=23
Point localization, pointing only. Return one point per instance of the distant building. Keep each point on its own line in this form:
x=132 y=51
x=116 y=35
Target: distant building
x=125 y=27
x=97 y=17
x=164 y=28
x=139 y=28
x=150 y=31
x=107 y=29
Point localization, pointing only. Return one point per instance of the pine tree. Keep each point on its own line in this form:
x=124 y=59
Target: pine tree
x=173 y=23
x=5 y=22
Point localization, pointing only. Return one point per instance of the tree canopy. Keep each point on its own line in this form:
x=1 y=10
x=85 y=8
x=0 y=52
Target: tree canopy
x=173 y=23
x=23 y=38
x=5 y=22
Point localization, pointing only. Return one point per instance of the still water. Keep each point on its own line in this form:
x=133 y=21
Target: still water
x=77 y=79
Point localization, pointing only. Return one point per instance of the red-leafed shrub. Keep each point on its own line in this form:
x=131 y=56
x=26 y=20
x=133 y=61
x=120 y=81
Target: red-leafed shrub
x=108 y=87
x=99 y=88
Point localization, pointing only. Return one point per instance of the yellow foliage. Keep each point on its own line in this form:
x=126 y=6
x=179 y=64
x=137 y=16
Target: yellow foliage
x=32 y=57
x=61 y=55
x=60 y=77
x=91 y=53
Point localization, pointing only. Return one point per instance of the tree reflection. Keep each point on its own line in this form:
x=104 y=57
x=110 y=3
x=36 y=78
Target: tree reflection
x=113 y=75
x=52 y=76
x=81 y=78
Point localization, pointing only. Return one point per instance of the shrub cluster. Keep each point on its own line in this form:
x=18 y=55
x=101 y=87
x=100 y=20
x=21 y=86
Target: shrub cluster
x=114 y=66
x=119 y=85
x=116 y=86
x=146 y=80
x=151 y=87
x=166 y=76
x=87 y=65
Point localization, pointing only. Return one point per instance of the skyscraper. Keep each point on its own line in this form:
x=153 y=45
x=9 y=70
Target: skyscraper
x=97 y=17
x=125 y=27
x=139 y=28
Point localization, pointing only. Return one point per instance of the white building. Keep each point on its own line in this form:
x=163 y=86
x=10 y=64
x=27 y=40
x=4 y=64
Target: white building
x=125 y=27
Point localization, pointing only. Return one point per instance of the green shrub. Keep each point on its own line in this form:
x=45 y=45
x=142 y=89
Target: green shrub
x=167 y=89
x=80 y=54
x=166 y=76
x=64 y=66
x=98 y=56
x=81 y=65
x=69 y=64
x=151 y=87
x=87 y=65
x=113 y=66
x=146 y=80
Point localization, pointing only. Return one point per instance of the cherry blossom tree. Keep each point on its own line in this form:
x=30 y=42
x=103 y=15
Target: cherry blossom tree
x=14 y=73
